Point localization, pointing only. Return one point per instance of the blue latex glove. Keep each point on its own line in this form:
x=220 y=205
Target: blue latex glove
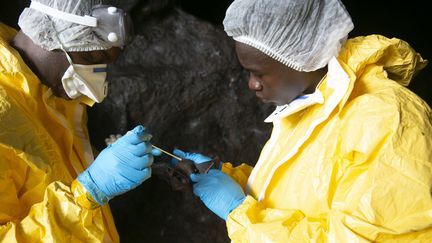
x=195 y=157
x=120 y=167
x=218 y=191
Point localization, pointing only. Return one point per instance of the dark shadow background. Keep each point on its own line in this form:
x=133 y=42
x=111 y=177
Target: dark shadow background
x=152 y=213
x=408 y=20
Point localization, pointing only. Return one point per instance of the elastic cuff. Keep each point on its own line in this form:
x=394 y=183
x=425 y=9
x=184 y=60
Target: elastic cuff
x=234 y=205
x=87 y=182
x=82 y=196
x=237 y=203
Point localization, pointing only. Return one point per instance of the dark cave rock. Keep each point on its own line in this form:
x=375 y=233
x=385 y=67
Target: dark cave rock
x=179 y=78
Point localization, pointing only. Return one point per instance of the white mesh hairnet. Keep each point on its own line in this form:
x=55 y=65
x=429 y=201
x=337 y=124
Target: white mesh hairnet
x=302 y=34
x=74 y=37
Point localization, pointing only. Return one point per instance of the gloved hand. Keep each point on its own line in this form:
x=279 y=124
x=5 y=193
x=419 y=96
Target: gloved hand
x=120 y=167
x=195 y=157
x=218 y=191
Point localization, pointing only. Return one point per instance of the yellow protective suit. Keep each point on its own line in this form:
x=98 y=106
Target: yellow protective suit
x=356 y=168
x=44 y=145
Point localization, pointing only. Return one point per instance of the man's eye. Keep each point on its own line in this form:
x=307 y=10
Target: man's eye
x=258 y=75
x=101 y=57
x=87 y=58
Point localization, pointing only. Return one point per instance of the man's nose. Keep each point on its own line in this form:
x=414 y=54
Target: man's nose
x=254 y=83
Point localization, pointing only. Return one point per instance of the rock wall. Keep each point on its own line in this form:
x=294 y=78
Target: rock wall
x=180 y=78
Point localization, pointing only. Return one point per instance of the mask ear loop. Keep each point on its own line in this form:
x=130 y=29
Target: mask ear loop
x=61 y=45
x=69 y=59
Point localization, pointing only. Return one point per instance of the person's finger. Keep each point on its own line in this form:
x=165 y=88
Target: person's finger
x=197 y=177
x=139 y=149
x=135 y=136
x=138 y=162
x=179 y=153
x=156 y=152
x=141 y=175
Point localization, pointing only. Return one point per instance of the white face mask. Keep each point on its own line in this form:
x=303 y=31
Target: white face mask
x=88 y=80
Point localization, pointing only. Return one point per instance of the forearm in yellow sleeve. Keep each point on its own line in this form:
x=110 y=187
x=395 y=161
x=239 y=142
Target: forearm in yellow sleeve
x=57 y=218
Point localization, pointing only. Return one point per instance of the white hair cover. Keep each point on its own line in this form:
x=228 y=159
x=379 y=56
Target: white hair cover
x=39 y=27
x=302 y=34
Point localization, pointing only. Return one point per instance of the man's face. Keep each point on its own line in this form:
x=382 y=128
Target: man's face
x=272 y=81
x=95 y=57
x=83 y=58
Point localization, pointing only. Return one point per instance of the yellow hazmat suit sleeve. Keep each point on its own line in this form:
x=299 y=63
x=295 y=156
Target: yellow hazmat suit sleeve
x=43 y=146
x=239 y=173
x=82 y=196
x=362 y=174
x=56 y=219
